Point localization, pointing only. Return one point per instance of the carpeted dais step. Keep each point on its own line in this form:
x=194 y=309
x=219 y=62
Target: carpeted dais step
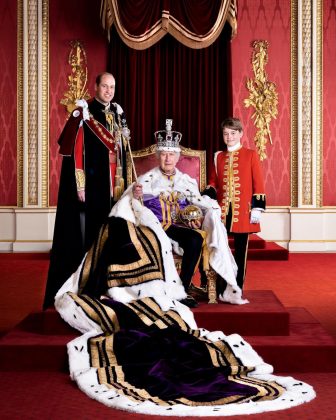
x=26 y=256
x=259 y=249
x=308 y=348
x=272 y=251
x=264 y=315
x=22 y=350
x=39 y=342
x=255 y=242
x=46 y=322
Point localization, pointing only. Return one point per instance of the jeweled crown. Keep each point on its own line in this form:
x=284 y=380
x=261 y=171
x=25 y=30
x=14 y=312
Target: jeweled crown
x=168 y=140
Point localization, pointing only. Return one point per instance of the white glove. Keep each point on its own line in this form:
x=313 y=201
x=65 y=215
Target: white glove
x=255 y=216
x=83 y=104
x=126 y=132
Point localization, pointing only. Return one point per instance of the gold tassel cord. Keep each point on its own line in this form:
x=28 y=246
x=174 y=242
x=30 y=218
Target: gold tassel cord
x=132 y=162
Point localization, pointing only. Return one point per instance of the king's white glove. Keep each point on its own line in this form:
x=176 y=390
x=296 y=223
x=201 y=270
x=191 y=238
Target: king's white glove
x=255 y=216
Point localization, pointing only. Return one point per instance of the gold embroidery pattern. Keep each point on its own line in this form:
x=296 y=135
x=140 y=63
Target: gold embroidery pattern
x=111 y=374
x=231 y=186
x=80 y=179
x=147 y=267
x=260 y=196
x=170 y=207
x=101 y=131
x=98 y=312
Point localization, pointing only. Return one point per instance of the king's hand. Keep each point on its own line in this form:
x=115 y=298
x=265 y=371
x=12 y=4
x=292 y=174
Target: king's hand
x=137 y=191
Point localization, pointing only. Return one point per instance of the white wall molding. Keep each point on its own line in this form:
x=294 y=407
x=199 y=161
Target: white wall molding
x=296 y=229
x=301 y=229
x=26 y=229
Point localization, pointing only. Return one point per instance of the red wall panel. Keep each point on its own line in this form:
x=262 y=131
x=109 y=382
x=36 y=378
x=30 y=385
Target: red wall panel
x=8 y=105
x=329 y=103
x=260 y=19
x=266 y=20
x=70 y=20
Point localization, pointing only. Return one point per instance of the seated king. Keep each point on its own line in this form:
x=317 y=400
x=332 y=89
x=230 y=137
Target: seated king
x=168 y=200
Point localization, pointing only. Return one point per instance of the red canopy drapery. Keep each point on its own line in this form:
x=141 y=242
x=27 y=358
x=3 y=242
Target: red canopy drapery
x=142 y=23
x=185 y=75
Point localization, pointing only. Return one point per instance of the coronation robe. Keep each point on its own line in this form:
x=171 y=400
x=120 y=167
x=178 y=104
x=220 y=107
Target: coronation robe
x=140 y=348
x=77 y=223
x=220 y=257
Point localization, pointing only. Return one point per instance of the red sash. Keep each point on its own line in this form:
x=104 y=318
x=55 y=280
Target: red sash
x=102 y=133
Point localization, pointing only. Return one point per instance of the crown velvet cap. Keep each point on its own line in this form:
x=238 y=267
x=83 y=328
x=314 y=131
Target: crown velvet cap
x=168 y=140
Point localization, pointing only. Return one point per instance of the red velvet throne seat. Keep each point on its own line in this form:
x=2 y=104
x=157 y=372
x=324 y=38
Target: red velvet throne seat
x=192 y=162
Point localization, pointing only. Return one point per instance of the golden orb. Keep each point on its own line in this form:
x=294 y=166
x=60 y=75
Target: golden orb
x=191 y=213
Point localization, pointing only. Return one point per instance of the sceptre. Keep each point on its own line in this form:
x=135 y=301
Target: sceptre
x=126 y=133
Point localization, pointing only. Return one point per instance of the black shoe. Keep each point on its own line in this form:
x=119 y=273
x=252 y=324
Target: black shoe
x=200 y=293
x=189 y=301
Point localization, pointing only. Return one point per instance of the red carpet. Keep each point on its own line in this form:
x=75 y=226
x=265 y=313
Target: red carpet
x=289 y=339
x=52 y=396
x=300 y=348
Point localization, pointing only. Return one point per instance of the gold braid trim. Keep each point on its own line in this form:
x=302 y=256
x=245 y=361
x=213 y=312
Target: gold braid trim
x=260 y=196
x=80 y=179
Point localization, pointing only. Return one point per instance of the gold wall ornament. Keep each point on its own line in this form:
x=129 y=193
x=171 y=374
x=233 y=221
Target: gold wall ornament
x=78 y=78
x=263 y=97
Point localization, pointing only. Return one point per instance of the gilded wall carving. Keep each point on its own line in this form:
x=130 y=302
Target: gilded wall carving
x=77 y=80
x=263 y=98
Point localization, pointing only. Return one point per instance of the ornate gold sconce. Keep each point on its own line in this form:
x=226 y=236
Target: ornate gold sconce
x=262 y=97
x=78 y=78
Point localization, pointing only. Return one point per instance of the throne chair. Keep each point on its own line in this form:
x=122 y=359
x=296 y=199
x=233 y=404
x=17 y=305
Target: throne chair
x=191 y=162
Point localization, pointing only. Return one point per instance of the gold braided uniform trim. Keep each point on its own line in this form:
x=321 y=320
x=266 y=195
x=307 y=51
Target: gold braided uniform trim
x=260 y=196
x=80 y=179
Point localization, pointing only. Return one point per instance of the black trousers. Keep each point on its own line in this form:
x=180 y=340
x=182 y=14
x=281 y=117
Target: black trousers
x=191 y=242
x=240 y=250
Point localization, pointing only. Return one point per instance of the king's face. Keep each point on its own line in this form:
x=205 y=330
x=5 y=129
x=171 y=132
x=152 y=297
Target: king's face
x=168 y=161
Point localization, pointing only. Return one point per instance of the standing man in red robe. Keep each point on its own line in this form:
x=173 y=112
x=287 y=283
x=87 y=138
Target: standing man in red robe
x=236 y=181
x=93 y=144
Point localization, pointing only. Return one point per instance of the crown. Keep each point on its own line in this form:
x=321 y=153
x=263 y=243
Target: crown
x=168 y=140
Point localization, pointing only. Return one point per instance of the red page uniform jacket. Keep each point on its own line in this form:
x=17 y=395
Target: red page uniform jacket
x=237 y=178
